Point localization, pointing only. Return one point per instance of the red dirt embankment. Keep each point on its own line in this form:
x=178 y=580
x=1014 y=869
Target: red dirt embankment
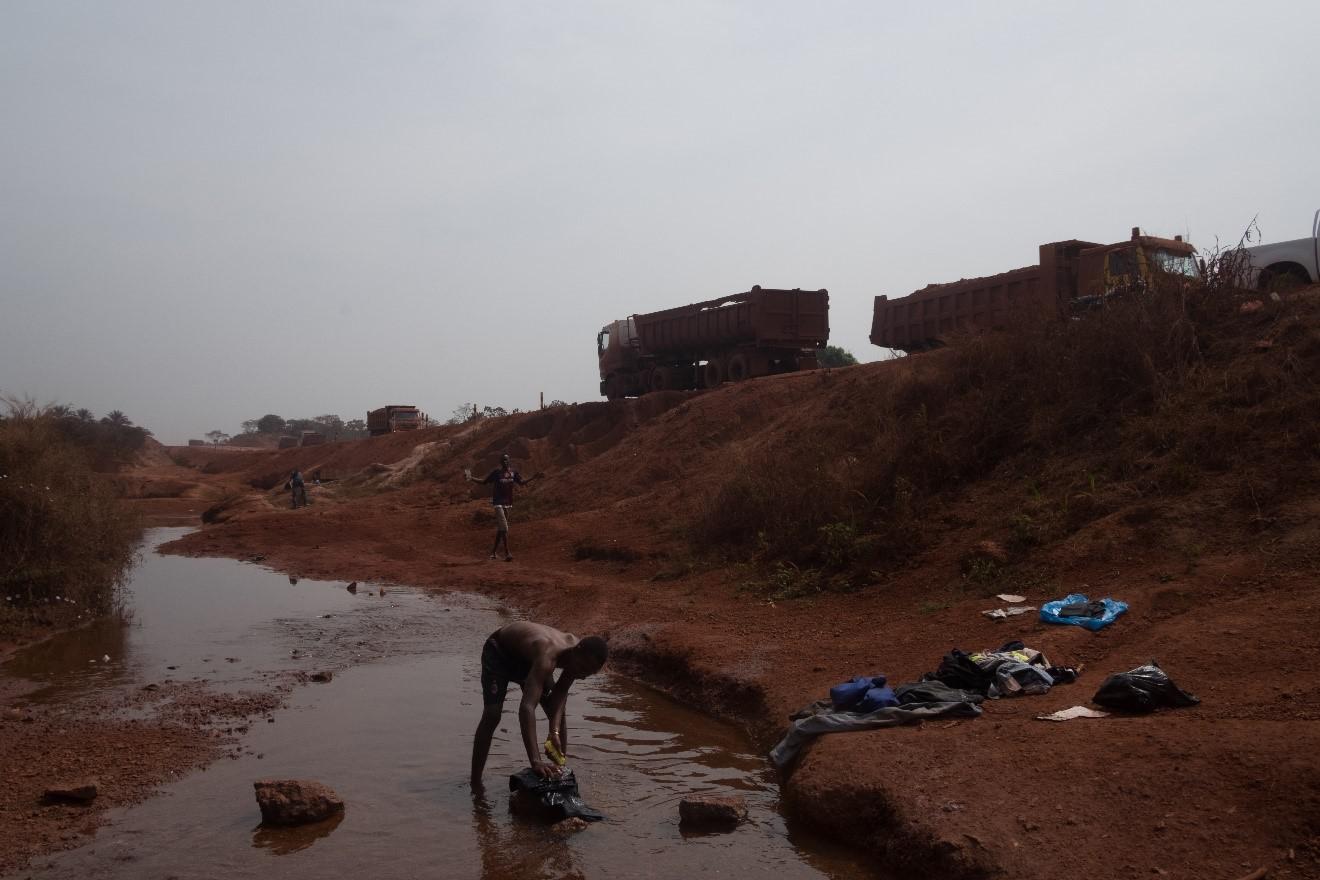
x=1217 y=557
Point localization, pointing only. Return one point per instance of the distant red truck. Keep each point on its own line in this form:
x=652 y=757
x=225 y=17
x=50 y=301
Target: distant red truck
x=754 y=333
x=395 y=417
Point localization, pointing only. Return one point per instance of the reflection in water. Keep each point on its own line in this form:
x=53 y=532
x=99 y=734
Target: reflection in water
x=524 y=849
x=282 y=841
x=76 y=663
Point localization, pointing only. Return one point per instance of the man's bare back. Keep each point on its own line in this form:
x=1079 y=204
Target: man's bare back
x=532 y=640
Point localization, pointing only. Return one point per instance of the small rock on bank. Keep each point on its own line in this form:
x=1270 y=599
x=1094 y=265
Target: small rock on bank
x=83 y=792
x=711 y=812
x=295 y=801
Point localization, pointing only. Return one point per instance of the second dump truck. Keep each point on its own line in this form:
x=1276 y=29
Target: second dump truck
x=756 y=333
x=395 y=417
x=1072 y=276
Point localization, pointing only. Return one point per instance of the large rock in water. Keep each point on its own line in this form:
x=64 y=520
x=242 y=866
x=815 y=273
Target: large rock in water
x=295 y=801
x=711 y=812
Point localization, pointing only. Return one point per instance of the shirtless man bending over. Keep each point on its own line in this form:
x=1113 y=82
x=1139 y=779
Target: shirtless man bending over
x=528 y=654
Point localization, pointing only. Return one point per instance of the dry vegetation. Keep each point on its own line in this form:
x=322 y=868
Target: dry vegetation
x=1145 y=397
x=67 y=541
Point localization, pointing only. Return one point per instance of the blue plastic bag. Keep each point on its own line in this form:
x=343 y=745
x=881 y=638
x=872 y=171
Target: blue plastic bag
x=846 y=696
x=1050 y=611
x=876 y=698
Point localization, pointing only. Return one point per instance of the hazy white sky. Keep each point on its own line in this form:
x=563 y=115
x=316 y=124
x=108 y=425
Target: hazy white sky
x=211 y=211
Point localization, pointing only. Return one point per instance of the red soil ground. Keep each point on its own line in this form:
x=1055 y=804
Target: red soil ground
x=1216 y=551
x=1214 y=791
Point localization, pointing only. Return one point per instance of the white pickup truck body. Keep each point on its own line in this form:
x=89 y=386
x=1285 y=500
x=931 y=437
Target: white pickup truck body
x=1298 y=260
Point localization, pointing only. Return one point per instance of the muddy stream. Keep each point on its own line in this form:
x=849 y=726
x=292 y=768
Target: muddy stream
x=392 y=733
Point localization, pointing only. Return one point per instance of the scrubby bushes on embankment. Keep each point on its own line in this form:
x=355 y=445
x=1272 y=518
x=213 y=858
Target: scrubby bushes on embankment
x=1149 y=397
x=65 y=541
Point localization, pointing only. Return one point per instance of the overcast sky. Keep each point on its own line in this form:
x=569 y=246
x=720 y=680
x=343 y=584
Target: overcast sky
x=211 y=211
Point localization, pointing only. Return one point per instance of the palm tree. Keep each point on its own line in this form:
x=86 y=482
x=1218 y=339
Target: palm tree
x=116 y=418
x=85 y=415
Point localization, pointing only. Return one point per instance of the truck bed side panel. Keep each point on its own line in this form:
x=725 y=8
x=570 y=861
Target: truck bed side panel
x=767 y=318
x=922 y=319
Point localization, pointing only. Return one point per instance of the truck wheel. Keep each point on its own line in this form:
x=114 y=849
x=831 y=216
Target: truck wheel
x=737 y=368
x=613 y=389
x=662 y=379
x=1281 y=279
x=713 y=373
x=808 y=362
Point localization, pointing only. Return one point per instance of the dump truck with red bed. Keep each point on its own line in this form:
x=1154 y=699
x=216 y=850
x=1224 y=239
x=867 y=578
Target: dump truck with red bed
x=756 y=333
x=1072 y=276
x=395 y=417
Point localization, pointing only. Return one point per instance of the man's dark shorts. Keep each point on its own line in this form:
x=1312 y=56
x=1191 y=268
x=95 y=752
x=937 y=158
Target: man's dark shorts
x=498 y=668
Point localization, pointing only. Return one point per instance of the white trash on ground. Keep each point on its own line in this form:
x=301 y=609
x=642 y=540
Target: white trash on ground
x=1074 y=712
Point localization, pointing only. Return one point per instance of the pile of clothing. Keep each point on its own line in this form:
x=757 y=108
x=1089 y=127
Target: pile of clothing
x=963 y=681
x=955 y=690
x=1012 y=670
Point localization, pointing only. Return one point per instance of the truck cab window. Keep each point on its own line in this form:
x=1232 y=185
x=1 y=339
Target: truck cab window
x=1176 y=264
x=1122 y=263
x=602 y=341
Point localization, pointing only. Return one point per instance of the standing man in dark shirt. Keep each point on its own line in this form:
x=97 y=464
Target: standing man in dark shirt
x=503 y=477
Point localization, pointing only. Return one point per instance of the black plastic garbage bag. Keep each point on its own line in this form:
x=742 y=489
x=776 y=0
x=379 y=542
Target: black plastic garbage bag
x=1143 y=689
x=554 y=799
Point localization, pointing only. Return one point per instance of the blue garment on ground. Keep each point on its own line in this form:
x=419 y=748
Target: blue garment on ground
x=847 y=695
x=876 y=698
x=1050 y=612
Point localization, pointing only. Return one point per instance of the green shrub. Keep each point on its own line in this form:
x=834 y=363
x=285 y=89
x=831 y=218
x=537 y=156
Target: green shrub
x=67 y=542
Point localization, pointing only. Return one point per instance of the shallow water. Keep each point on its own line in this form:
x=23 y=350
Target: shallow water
x=393 y=736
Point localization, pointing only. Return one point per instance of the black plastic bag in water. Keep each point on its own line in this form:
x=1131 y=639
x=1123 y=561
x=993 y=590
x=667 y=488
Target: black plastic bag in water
x=556 y=799
x=1143 y=689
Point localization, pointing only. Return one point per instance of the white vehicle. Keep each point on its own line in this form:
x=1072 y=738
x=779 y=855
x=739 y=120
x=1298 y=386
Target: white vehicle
x=1288 y=262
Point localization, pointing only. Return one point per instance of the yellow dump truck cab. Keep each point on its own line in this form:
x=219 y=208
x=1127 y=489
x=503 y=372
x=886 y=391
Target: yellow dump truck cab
x=1115 y=269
